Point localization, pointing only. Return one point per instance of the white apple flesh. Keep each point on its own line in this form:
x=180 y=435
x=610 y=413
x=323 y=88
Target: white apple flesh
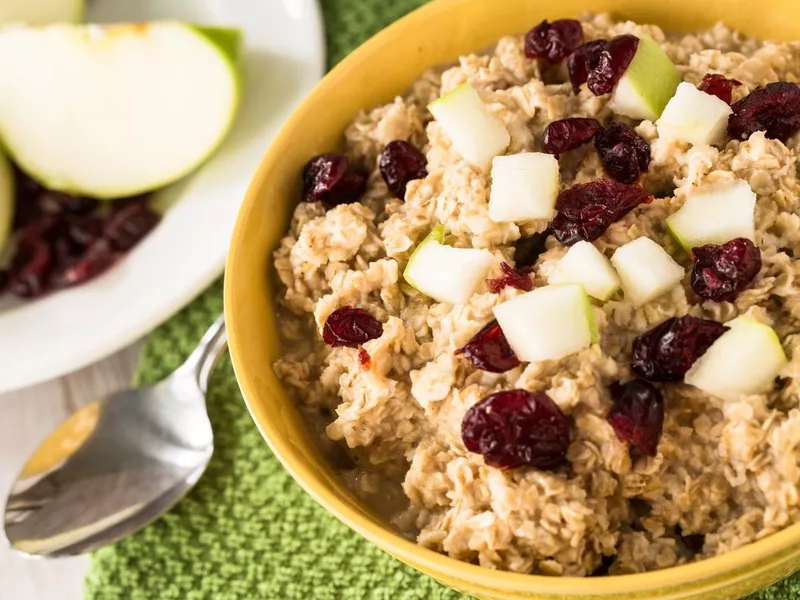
x=6 y=199
x=745 y=360
x=524 y=187
x=647 y=84
x=41 y=12
x=444 y=273
x=548 y=323
x=646 y=270
x=693 y=116
x=586 y=265
x=476 y=133
x=118 y=110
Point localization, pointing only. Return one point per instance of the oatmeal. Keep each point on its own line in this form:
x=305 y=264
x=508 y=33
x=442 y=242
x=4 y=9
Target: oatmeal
x=561 y=313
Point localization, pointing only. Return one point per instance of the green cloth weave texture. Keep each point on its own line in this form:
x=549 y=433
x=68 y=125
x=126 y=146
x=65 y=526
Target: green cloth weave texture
x=248 y=531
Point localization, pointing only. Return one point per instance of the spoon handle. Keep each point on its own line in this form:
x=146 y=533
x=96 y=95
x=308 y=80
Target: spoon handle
x=202 y=360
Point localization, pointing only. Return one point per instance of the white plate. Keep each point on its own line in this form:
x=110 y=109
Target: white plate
x=285 y=57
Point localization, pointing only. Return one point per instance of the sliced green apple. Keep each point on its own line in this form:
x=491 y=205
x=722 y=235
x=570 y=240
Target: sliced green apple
x=647 y=84
x=586 y=265
x=6 y=199
x=476 y=133
x=41 y=12
x=444 y=273
x=138 y=105
x=693 y=116
x=714 y=214
x=745 y=360
x=524 y=187
x=548 y=323
x=646 y=270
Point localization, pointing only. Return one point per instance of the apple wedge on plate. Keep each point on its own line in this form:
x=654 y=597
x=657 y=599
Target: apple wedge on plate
x=41 y=12
x=139 y=105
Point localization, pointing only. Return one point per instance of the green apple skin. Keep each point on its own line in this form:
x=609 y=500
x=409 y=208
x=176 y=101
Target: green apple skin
x=436 y=236
x=6 y=199
x=594 y=336
x=227 y=43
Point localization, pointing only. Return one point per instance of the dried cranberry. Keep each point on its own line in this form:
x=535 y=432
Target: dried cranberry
x=401 y=162
x=720 y=273
x=31 y=268
x=129 y=226
x=623 y=152
x=528 y=249
x=351 y=327
x=517 y=428
x=774 y=109
x=3 y=281
x=667 y=352
x=327 y=178
x=84 y=231
x=95 y=261
x=583 y=61
x=585 y=211
x=567 y=134
x=58 y=201
x=637 y=416
x=719 y=86
x=553 y=41
x=489 y=350
x=364 y=359
x=511 y=277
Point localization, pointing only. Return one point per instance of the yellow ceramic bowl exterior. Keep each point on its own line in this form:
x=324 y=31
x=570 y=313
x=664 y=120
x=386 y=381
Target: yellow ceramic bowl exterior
x=380 y=69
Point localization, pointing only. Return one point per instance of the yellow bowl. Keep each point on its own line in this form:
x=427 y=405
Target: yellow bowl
x=380 y=69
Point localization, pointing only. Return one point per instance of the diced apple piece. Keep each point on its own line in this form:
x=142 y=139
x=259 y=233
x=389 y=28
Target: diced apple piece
x=138 y=105
x=41 y=12
x=693 y=116
x=6 y=200
x=444 y=273
x=646 y=270
x=647 y=84
x=745 y=360
x=585 y=264
x=524 y=187
x=476 y=133
x=714 y=214
x=548 y=323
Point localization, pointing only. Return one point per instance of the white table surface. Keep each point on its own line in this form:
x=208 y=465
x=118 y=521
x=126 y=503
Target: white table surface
x=25 y=418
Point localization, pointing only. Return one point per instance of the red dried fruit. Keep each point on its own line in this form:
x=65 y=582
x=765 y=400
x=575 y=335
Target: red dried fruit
x=129 y=226
x=52 y=201
x=611 y=64
x=31 y=268
x=553 y=41
x=517 y=428
x=623 y=152
x=567 y=134
x=511 y=277
x=400 y=163
x=668 y=351
x=774 y=109
x=328 y=179
x=95 y=261
x=84 y=231
x=351 y=327
x=719 y=86
x=528 y=249
x=3 y=281
x=364 y=359
x=637 y=416
x=583 y=61
x=585 y=211
x=489 y=350
x=720 y=273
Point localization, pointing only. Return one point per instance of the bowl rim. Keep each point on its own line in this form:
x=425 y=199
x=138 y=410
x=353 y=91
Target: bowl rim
x=742 y=563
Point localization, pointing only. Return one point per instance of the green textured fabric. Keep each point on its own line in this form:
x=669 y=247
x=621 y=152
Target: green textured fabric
x=248 y=531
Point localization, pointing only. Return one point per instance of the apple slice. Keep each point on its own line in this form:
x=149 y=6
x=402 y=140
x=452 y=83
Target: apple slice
x=646 y=270
x=585 y=264
x=745 y=360
x=6 y=199
x=714 y=214
x=524 y=187
x=138 y=105
x=548 y=323
x=41 y=12
x=693 y=116
x=647 y=84
x=476 y=133
x=444 y=273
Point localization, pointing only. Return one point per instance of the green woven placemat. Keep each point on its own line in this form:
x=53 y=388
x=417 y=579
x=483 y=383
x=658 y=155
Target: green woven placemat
x=248 y=531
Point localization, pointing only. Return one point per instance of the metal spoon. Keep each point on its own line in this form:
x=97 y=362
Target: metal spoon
x=117 y=464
